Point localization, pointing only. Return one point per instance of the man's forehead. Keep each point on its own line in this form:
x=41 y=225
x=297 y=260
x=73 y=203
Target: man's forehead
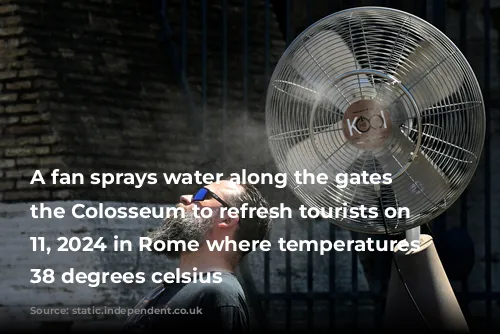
x=224 y=187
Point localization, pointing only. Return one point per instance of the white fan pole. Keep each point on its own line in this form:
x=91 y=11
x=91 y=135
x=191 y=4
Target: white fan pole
x=413 y=235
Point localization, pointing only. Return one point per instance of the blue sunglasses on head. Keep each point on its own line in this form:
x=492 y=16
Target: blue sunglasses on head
x=204 y=194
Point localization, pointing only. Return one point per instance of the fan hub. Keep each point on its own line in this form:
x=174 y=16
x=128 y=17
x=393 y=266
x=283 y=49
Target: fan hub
x=367 y=124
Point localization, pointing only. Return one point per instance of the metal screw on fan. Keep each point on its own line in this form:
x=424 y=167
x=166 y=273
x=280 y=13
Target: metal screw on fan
x=378 y=90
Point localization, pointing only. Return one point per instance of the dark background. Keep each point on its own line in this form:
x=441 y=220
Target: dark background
x=179 y=86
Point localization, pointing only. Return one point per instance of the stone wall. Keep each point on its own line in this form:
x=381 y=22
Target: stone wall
x=87 y=87
x=26 y=135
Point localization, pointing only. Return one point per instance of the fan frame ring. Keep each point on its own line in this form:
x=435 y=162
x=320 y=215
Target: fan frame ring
x=473 y=87
x=392 y=80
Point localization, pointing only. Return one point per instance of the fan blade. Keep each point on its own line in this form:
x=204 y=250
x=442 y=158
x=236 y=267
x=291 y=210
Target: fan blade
x=422 y=184
x=333 y=156
x=301 y=93
x=428 y=79
x=325 y=56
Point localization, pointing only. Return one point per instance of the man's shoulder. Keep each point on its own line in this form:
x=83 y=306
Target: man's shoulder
x=219 y=305
x=227 y=283
x=227 y=286
x=217 y=293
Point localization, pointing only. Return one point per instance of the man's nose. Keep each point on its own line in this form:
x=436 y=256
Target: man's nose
x=186 y=199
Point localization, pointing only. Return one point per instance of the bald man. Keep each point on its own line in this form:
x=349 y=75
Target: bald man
x=213 y=300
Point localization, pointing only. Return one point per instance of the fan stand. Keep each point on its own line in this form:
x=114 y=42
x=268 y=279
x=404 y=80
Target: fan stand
x=426 y=279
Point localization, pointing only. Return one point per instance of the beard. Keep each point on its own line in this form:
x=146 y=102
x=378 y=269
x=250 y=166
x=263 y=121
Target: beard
x=185 y=229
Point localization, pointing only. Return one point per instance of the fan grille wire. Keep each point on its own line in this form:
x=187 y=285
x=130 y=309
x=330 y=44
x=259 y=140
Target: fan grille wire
x=306 y=106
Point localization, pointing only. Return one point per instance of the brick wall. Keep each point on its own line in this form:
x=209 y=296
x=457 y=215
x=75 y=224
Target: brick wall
x=86 y=87
x=24 y=122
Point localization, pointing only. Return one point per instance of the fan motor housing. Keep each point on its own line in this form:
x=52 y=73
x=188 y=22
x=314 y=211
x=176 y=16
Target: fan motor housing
x=367 y=125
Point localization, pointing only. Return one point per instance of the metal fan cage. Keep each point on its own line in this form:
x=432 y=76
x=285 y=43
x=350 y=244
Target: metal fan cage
x=403 y=66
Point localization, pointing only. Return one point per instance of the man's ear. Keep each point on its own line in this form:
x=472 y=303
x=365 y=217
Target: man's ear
x=228 y=221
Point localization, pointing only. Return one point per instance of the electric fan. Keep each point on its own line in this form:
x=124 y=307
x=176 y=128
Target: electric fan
x=381 y=91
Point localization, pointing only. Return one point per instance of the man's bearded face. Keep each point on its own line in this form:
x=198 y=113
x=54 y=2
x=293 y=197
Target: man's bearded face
x=182 y=229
